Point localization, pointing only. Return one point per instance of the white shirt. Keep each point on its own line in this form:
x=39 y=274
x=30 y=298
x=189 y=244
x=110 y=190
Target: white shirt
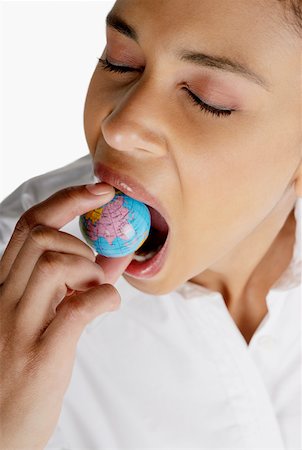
x=173 y=371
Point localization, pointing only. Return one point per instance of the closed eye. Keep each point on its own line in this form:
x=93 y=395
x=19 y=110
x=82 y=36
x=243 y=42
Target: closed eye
x=206 y=108
x=113 y=68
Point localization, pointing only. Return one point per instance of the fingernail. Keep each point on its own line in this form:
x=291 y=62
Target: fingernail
x=99 y=188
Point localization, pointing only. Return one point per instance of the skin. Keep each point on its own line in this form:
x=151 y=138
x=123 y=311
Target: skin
x=235 y=236
x=229 y=183
x=50 y=289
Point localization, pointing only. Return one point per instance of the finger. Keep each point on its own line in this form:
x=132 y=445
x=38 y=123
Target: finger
x=39 y=240
x=113 y=267
x=57 y=210
x=47 y=287
x=72 y=316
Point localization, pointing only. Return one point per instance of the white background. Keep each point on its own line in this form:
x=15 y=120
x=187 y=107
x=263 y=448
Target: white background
x=49 y=52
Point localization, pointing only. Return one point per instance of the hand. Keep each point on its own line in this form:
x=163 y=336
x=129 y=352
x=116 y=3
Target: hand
x=50 y=289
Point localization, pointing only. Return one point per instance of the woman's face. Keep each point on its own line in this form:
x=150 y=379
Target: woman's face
x=220 y=175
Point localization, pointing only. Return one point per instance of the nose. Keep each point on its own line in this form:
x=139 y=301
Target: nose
x=135 y=122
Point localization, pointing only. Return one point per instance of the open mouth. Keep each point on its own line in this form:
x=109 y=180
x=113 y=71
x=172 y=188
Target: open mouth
x=156 y=238
x=149 y=258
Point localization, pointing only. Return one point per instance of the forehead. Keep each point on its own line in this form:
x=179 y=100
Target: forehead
x=206 y=17
x=249 y=30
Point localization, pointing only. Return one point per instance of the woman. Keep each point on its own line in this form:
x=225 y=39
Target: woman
x=196 y=107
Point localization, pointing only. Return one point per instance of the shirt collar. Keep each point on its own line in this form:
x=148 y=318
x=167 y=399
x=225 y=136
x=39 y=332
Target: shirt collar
x=289 y=279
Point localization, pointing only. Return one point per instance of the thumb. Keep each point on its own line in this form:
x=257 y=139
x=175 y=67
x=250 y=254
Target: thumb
x=75 y=312
x=113 y=267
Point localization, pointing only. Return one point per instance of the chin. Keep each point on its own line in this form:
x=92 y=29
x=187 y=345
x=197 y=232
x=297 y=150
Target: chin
x=148 y=286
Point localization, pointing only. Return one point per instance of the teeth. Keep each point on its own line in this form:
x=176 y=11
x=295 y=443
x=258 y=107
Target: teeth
x=142 y=258
x=126 y=187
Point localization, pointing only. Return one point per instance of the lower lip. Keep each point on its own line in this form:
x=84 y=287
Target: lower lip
x=151 y=267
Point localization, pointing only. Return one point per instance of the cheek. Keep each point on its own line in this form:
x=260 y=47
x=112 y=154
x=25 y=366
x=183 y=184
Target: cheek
x=229 y=184
x=94 y=109
x=243 y=161
x=228 y=191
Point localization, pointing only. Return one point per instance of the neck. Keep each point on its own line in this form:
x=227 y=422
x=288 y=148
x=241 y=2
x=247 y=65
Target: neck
x=251 y=268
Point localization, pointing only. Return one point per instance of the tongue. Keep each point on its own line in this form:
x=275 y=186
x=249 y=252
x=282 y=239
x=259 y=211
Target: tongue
x=113 y=267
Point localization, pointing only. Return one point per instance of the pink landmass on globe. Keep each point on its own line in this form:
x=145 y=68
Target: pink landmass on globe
x=91 y=230
x=113 y=223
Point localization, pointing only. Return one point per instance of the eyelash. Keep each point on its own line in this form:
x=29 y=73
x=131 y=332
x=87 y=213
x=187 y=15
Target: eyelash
x=106 y=65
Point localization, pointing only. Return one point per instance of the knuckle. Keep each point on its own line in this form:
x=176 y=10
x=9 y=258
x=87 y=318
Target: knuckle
x=111 y=296
x=78 y=308
x=50 y=263
x=42 y=236
x=72 y=193
x=82 y=308
x=29 y=218
x=73 y=310
x=24 y=224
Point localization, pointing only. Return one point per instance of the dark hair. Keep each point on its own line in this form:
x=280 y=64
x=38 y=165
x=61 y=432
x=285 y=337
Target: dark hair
x=293 y=14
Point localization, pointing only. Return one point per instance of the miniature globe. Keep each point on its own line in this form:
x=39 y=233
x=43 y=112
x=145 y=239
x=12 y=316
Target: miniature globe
x=118 y=228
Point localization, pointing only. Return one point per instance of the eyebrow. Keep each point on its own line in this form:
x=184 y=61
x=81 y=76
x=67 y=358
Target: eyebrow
x=200 y=59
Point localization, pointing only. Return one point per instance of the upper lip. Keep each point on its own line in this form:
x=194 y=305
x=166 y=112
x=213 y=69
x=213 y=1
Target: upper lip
x=121 y=181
